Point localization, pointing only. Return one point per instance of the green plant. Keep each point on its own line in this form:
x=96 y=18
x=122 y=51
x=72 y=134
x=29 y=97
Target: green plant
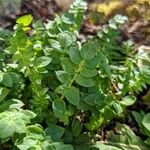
x=74 y=88
x=143 y=122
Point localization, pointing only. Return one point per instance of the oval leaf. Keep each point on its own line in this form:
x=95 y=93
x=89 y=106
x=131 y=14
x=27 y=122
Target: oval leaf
x=146 y=121
x=88 y=73
x=68 y=66
x=63 y=77
x=88 y=50
x=128 y=100
x=74 y=54
x=43 y=61
x=72 y=95
x=86 y=82
x=25 y=20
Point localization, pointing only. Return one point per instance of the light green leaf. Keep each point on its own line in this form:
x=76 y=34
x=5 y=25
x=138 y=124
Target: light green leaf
x=3 y=93
x=55 y=45
x=25 y=20
x=68 y=66
x=66 y=38
x=100 y=146
x=19 y=125
x=36 y=130
x=7 y=128
x=146 y=121
x=63 y=77
x=29 y=114
x=89 y=50
x=72 y=95
x=18 y=104
x=43 y=61
x=86 y=82
x=128 y=100
x=60 y=89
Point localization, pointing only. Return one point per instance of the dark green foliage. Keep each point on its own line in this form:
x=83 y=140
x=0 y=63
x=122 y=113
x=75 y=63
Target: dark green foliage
x=73 y=88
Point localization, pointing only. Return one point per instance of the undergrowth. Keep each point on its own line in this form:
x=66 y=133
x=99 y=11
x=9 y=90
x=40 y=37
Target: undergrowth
x=57 y=93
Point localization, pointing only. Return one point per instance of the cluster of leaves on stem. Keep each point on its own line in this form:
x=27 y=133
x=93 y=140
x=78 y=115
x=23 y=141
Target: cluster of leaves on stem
x=74 y=88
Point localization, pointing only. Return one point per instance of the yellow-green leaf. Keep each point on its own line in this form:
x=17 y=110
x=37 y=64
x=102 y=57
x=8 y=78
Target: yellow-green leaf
x=25 y=20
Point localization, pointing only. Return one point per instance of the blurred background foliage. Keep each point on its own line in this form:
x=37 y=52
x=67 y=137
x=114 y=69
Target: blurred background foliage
x=98 y=13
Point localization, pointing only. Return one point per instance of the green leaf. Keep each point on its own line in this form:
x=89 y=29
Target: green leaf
x=28 y=113
x=7 y=80
x=124 y=138
x=146 y=121
x=72 y=95
x=60 y=89
x=86 y=82
x=117 y=107
x=128 y=100
x=18 y=104
x=100 y=146
x=59 y=106
x=104 y=65
x=7 y=128
x=74 y=54
x=12 y=122
x=66 y=38
x=1 y=77
x=138 y=117
x=148 y=141
x=93 y=62
x=35 y=129
x=55 y=132
x=55 y=45
x=68 y=66
x=89 y=99
x=3 y=93
x=61 y=146
x=19 y=125
x=88 y=73
x=43 y=61
x=67 y=137
x=94 y=99
x=25 y=20
x=89 y=50
x=76 y=127
x=63 y=77
x=96 y=121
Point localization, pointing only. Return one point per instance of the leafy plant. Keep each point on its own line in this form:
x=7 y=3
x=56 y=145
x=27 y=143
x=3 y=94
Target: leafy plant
x=124 y=138
x=143 y=122
x=74 y=88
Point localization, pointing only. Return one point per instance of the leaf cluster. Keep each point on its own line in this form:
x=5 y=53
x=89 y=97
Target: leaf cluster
x=73 y=87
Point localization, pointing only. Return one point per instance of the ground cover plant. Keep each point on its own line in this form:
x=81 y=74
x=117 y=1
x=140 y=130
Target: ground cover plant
x=60 y=93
